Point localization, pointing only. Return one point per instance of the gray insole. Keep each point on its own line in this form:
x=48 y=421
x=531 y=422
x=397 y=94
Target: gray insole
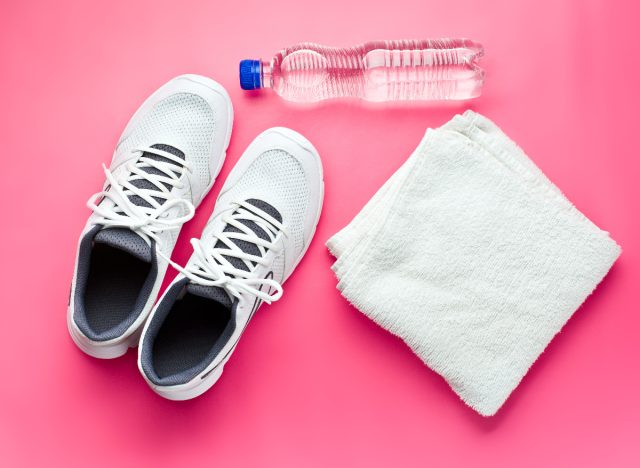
x=113 y=286
x=188 y=334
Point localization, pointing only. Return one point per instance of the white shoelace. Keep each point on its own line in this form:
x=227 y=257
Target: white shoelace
x=147 y=221
x=212 y=267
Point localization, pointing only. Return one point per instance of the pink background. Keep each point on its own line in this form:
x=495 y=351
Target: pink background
x=313 y=383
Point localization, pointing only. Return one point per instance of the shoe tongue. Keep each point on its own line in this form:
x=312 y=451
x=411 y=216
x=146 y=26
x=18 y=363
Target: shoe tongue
x=126 y=240
x=145 y=184
x=249 y=247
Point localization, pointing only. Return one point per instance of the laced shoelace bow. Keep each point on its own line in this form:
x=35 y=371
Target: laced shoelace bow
x=212 y=266
x=149 y=220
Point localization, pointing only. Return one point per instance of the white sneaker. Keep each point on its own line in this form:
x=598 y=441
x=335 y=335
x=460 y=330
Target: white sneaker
x=261 y=226
x=164 y=164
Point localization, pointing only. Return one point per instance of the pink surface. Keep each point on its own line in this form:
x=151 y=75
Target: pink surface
x=313 y=383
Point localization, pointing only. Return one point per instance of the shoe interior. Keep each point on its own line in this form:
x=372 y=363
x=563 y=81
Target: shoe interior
x=188 y=334
x=114 y=283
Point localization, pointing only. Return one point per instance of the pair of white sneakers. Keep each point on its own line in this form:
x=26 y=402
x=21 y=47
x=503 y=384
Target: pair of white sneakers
x=166 y=161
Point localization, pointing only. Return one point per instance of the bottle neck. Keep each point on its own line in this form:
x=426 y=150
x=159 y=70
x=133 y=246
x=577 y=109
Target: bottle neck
x=266 y=74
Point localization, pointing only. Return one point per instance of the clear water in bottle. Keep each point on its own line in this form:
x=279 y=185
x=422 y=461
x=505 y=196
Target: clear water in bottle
x=409 y=70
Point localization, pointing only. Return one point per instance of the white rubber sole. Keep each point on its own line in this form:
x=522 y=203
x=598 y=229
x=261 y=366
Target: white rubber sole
x=200 y=384
x=190 y=390
x=118 y=347
x=101 y=350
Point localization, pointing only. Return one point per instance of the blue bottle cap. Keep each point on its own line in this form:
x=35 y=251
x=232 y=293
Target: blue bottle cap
x=250 y=74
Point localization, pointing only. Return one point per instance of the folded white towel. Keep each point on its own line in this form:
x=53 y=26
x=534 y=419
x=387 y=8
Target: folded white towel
x=473 y=257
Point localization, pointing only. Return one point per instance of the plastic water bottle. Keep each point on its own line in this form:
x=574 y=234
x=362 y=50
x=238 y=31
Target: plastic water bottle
x=435 y=69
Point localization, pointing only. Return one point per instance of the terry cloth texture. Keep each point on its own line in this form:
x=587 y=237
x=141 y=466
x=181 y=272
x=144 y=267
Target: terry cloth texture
x=473 y=257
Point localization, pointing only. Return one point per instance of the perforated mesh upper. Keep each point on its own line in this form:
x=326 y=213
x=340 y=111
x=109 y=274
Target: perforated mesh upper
x=188 y=119
x=278 y=178
x=125 y=240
